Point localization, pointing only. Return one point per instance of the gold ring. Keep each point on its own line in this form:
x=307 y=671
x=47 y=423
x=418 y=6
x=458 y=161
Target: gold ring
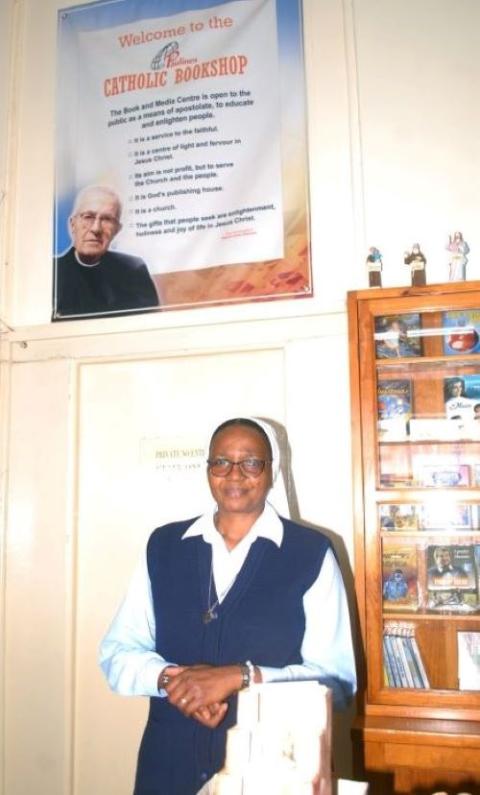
x=183 y=701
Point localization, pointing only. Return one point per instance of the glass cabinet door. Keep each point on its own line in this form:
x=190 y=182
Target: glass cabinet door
x=427 y=383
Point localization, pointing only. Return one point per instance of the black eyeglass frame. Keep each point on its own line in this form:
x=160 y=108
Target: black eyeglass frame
x=212 y=461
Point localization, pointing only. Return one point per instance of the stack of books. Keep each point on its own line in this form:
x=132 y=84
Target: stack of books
x=403 y=664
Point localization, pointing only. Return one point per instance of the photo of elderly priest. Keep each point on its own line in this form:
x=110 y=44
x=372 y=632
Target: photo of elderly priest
x=90 y=279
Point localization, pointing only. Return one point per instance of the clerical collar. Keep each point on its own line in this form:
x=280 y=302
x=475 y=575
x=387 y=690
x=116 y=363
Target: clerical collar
x=85 y=264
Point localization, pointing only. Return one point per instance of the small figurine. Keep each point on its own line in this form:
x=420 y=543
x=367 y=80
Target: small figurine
x=417 y=261
x=459 y=249
x=374 y=267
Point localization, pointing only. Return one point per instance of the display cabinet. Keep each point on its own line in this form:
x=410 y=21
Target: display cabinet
x=415 y=387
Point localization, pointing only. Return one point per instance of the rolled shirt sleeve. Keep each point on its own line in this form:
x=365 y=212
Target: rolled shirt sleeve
x=127 y=652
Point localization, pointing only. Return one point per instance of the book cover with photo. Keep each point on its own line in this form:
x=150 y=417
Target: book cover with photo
x=446 y=515
x=394 y=399
x=399 y=577
x=399 y=516
x=462 y=397
x=461 y=332
x=452 y=579
x=398 y=336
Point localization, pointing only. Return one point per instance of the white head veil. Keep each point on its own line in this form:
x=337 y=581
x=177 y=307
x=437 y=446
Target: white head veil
x=277 y=495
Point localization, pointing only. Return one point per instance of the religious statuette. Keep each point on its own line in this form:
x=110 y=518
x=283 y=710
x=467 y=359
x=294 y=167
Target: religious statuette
x=457 y=261
x=374 y=267
x=417 y=261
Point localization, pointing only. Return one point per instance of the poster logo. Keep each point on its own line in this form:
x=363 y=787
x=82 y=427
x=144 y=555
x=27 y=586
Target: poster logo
x=167 y=56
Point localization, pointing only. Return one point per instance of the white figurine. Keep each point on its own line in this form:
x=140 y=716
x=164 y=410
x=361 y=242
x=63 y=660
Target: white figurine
x=458 y=249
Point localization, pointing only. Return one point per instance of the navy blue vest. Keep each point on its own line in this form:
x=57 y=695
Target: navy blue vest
x=261 y=619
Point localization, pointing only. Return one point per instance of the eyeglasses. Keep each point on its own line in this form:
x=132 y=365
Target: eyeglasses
x=106 y=221
x=249 y=467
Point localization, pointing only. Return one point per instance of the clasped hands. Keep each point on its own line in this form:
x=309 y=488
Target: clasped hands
x=200 y=691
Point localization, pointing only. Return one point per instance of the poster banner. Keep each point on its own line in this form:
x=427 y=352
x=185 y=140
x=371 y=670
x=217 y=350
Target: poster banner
x=181 y=166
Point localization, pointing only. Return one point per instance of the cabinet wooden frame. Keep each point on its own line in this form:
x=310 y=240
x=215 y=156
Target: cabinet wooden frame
x=397 y=727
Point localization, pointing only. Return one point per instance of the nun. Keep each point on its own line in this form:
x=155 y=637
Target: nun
x=238 y=595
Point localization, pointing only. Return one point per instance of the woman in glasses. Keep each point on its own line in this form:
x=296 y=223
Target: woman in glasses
x=236 y=596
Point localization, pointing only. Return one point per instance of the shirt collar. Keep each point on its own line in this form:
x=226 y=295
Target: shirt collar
x=268 y=525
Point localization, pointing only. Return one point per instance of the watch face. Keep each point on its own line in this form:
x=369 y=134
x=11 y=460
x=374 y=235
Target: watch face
x=245 y=675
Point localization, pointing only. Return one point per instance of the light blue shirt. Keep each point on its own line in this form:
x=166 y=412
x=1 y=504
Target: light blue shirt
x=127 y=652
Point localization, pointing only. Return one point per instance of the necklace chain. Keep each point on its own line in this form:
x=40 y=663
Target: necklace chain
x=210 y=614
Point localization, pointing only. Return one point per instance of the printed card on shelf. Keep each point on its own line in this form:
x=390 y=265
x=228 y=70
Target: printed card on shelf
x=399 y=516
x=442 y=429
x=445 y=515
x=398 y=336
x=439 y=476
x=462 y=332
x=394 y=398
x=462 y=397
x=399 y=576
x=468 y=644
x=441 y=470
x=452 y=578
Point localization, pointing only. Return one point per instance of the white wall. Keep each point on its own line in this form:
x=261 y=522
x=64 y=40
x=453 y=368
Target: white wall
x=394 y=158
x=418 y=63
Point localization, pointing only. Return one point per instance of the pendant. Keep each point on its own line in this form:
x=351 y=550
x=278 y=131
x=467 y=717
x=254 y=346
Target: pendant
x=209 y=615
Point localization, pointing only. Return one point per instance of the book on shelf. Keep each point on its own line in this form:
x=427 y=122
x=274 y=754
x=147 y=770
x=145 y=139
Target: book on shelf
x=476 y=555
x=394 y=401
x=393 y=480
x=395 y=664
x=419 y=661
x=462 y=399
x=393 y=430
x=441 y=469
x=452 y=578
x=475 y=474
x=461 y=331
x=403 y=658
x=443 y=475
x=448 y=515
x=398 y=336
x=413 y=668
x=442 y=429
x=405 y=674
x=405 y=654
x=399 y=576
x=398 y=516
x=394 y=398
x=468 y=647
x=390 y=664
x=386 y=682
x=435 y=513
